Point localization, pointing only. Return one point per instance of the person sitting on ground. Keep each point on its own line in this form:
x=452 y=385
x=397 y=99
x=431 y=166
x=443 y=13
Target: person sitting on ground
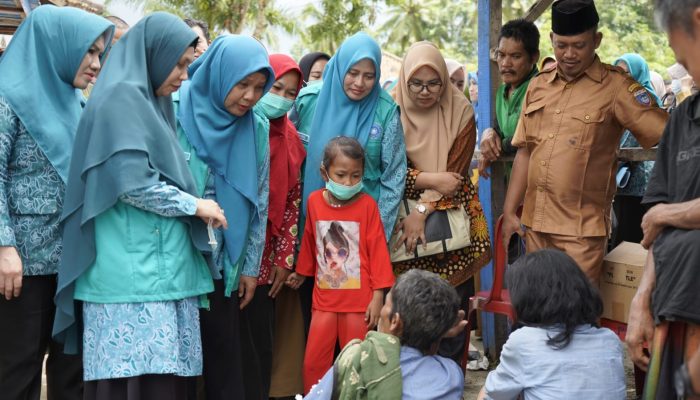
x=420 y=309
x=559 y=352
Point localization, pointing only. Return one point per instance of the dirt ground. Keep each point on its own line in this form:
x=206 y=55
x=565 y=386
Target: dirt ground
x=474 y=380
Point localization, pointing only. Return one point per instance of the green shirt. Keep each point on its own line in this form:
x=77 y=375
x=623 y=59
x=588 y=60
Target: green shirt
x=508 y=109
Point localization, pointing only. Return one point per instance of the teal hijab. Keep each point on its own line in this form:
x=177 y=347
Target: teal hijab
x=37 y=72
x=125 y=141
x=222 y=140
x=336 y=114
x=639 y=70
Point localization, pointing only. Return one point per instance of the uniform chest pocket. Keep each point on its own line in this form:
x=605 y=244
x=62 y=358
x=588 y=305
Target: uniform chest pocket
x=532 y=121
x=582 y=129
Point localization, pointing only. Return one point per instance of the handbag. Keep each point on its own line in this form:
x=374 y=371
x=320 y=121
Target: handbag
x=445 y=231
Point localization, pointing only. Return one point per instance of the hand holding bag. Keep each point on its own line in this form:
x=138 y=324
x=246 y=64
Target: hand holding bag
x=445 y=231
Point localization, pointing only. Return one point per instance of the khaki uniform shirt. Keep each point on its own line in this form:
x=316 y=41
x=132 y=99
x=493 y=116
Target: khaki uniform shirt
x=572 y=130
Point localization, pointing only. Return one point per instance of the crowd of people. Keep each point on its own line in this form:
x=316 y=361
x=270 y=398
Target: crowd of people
x=183 y=218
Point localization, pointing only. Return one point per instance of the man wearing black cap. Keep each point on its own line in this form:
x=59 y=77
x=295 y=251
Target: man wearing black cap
x=665 y=312
x=573 y=117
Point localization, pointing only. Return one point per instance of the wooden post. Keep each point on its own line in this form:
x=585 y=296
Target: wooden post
x=489 y=25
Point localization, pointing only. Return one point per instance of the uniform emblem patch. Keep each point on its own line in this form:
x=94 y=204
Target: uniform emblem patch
x=642 y=97
x=375 y=132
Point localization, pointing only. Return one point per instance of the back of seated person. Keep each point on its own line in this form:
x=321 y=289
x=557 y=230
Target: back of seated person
x=559 y=352
x=400 y=361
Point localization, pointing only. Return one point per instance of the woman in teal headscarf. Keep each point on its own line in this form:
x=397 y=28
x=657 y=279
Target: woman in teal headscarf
x=633 y=177
x=351 y=102
x=132 y=245
x=228 y=152
x=53 y=53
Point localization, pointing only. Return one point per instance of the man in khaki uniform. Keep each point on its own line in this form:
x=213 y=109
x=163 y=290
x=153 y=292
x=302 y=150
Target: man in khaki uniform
x=570 y=126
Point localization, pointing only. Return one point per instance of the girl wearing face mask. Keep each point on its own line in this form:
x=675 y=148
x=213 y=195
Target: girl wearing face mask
x=351 y=102
x=440 y=137
x=228 y=151
x=258 y=318
x=134 y=226
x=39 y=114
x=344 y=250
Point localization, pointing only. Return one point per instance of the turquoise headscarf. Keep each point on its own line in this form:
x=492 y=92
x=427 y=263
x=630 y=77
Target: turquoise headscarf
x=37 y=72
x=336 y=114
x=222 y=140
x=125 y=141
x=639 y=70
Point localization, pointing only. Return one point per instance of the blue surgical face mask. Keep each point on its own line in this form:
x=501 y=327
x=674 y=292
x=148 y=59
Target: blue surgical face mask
x=274 y=106
x=343 y=192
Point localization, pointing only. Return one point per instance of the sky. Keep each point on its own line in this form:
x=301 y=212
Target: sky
x=131 y=14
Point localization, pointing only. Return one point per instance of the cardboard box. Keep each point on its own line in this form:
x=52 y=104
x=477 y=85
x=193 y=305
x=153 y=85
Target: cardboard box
x=622 y=271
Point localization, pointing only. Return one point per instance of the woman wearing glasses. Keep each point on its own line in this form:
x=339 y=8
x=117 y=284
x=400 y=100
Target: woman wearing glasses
x=440 y=135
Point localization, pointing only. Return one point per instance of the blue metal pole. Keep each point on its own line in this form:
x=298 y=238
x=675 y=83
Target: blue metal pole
x=484 y=111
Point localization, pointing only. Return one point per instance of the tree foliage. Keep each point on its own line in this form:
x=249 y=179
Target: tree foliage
x=231 y=16
x=331 y=21
x=627 y=26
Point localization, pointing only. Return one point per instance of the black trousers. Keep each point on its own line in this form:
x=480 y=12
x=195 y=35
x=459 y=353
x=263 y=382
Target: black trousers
x=629 y=212
x=221 y=346
x=453 y=348
x=25 y=337
x=144 y=387
x=257 y=331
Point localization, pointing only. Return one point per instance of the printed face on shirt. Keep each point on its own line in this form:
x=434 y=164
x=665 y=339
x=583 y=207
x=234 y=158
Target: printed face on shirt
x=359 y=80
x=575 y=53
x=425 y=87
x=514 y=63
x=316 y=72
x=177 y=75
x=91 y=64
x=245 y=94
x=286 y=85
x=686 y=46
x=338 y=258
x=457 y=79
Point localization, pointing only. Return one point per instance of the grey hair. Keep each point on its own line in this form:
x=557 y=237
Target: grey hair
x=427 y=306
x=670 y=14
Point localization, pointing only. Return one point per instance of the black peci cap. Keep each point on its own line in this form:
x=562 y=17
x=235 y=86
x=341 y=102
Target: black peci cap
x=572 y=17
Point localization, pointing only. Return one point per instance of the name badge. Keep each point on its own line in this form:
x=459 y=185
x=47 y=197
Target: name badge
x=304 y=137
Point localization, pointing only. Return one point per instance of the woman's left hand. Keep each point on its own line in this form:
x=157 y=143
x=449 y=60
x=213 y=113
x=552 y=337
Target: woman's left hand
x=278 y=276
x=413 y=227
x=246 y=289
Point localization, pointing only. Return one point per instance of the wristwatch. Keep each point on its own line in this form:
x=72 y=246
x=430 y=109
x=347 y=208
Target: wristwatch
x=683 y=384
x=421 y=208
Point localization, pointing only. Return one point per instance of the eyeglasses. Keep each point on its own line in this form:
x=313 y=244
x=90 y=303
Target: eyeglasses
x=417 y=87
x=340 y=253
